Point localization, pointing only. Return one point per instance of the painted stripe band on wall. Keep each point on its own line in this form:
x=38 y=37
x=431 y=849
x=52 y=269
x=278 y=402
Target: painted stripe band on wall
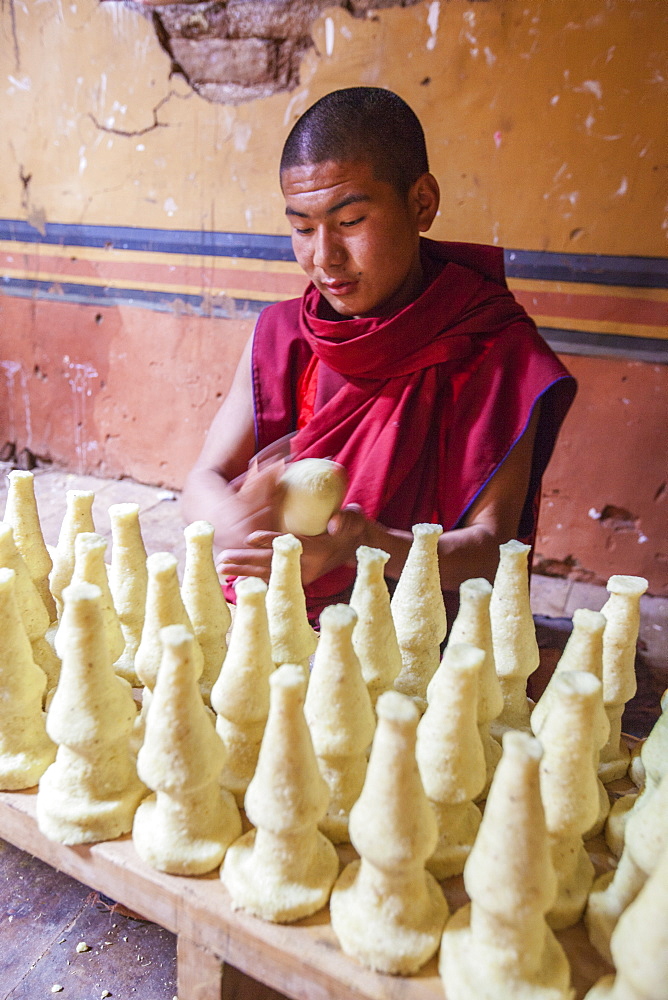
x=587 y=299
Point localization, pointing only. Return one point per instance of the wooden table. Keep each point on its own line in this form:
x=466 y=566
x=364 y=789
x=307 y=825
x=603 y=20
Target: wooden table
x=302 y=961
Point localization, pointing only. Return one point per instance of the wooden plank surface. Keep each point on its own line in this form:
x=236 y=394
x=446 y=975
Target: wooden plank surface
x=45 y=914
x=302 y=961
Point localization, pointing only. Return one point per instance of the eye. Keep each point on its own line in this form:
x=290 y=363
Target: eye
x=302 y=232
x=354 y=222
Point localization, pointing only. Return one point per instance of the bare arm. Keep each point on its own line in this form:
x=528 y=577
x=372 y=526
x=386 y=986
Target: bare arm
x=228 y=448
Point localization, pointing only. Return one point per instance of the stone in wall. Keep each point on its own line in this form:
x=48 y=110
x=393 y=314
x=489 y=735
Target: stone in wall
x=234 y=51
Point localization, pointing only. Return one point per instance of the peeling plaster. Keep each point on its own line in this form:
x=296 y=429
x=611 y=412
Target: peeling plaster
x=233 y=52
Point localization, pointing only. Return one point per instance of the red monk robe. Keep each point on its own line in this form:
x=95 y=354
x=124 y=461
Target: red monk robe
x=422 y=407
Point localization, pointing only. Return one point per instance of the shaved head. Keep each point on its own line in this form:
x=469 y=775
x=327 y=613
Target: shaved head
x=367 y=124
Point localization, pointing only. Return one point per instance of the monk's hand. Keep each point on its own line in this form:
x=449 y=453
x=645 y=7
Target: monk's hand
x=346 y=531
x=252 y=559
x=249 y=504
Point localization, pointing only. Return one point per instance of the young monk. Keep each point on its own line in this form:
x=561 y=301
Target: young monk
x=406 y=360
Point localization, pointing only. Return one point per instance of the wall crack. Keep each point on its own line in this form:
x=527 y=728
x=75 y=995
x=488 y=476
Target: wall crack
x=15 y=37
x=131 y=133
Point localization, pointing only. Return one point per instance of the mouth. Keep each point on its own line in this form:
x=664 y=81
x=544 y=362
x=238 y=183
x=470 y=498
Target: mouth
x=339 y=287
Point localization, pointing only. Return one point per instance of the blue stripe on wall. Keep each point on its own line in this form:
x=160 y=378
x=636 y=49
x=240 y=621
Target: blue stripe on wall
x=595 y=269
x=160 y=301
x=603 y=269
x=183 y=241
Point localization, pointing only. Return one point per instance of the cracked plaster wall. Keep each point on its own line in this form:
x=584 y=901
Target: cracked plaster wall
x=545 y=125
x=514 y=95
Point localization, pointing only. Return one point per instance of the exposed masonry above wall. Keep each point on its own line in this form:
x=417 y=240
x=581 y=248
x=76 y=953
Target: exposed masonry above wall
x=233 y=51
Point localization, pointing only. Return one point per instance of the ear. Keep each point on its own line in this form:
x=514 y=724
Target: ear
x=424 y=197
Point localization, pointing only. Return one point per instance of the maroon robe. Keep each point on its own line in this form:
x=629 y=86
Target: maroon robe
x=421 y=407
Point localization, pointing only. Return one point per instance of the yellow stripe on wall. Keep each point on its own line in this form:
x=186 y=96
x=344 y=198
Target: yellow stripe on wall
x=97 y=254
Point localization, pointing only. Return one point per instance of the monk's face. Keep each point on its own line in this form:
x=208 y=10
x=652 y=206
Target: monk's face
x=357 y=237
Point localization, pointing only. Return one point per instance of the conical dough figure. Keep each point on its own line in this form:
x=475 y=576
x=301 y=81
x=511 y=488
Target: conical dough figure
x=91 y=791
x=78 y=517
x=186 y=826
x=419 y=614
x=514 y=635
x=500 y=947
x=90 y=567
x=25 y=749
x=22 y=515
x=646 y=837
x=639 y=945
x=292 y=638
x=387 y=910
x=473 y=625
x=34 y=615
x=374 y=635
x=451 y=757
x=583 y=652
x=128 y=580
x=285 y=868
x=164 y=606
x=654 y=761
x=240 y=696
x=204 y=601
x=569 y=789
x=622 y=615
x=340 y=717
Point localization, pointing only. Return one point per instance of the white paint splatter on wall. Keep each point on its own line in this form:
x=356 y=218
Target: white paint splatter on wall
x=433 y=14
x=329 y=36
x=24 y=83
x=467 y=34
x=11 y=370
x=591 y=87
x=242 y=133
x=79 y=377
x=296 y=105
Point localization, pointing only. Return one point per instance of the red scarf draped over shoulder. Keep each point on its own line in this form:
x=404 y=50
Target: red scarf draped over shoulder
x=420 y=407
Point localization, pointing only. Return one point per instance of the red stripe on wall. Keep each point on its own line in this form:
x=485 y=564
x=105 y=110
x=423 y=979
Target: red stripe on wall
x=648 y=312
x=135 y=274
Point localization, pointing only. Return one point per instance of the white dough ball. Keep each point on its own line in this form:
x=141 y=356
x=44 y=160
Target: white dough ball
x=314 y=490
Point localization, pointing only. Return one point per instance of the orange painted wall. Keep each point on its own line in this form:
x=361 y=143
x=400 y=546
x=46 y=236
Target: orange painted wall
x=115 y=392
x=605 y=495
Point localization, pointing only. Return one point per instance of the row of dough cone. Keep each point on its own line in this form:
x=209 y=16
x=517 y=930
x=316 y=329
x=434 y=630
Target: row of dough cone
x=292 y=747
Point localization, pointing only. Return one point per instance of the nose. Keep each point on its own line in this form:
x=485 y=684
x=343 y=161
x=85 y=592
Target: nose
x=327 y=251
